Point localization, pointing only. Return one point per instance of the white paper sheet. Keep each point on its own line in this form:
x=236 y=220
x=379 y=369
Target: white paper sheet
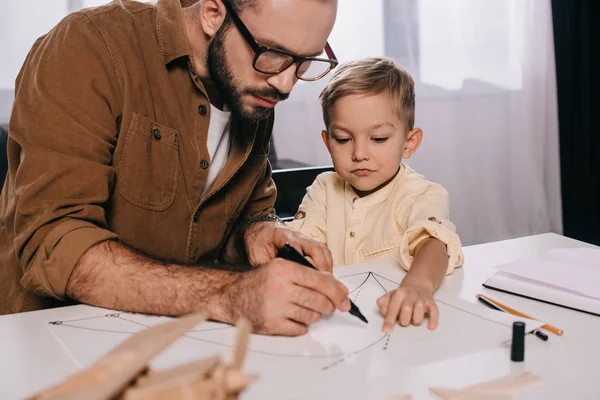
x=576 y=270
x=339 y=349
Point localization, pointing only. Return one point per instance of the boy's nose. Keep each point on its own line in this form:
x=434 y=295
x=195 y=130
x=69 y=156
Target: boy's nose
x=360 y=153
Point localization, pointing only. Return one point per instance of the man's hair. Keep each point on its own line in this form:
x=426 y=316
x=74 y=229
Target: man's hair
x=369 y=77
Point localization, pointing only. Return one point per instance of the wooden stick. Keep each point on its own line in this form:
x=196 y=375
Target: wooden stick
x=508 y=384
x=109 y=376
x=197 y=368
x=458 y=394
x=512 y=311
x=196 y=388
x=240 y=346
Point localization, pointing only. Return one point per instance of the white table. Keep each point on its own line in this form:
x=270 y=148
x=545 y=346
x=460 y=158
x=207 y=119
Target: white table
x=31 y=360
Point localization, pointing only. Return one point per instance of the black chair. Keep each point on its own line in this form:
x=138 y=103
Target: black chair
x=291 y=187
x=3 y=154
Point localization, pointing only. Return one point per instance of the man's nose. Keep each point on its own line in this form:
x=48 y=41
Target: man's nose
x=359 y=152
x=285 y=80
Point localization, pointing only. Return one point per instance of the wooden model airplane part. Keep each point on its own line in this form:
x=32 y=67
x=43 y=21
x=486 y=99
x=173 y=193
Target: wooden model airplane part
x=498 y=389
x=508 y=384
x=124 y=374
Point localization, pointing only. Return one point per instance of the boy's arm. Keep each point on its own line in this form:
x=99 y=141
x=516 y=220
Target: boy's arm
x=429 y=266
x=430 y=248
x=426 y=218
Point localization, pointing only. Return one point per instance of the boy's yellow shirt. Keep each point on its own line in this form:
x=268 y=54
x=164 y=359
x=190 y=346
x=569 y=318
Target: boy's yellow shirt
x=389 y=223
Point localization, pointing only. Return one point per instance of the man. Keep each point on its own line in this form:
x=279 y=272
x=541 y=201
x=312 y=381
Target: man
x=138 y=156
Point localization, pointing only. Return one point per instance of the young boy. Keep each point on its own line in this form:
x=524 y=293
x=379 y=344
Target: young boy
x=374 y=206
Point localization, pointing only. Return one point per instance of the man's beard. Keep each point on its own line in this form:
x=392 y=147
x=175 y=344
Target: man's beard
x=231 y=91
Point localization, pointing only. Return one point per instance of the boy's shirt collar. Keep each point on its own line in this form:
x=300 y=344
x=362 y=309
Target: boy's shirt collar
x=375 y=197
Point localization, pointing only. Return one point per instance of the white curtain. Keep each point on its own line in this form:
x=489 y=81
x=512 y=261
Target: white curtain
x=486 y=101
x=486 y=98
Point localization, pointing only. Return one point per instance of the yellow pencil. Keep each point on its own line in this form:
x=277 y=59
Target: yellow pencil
x=548 y=327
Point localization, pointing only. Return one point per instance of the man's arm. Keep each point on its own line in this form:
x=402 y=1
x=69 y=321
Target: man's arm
x=63 y=132
x=111 y=275
x=281 y=297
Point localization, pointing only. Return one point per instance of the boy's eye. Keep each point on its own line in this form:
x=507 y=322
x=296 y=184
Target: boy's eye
x=342 y=140
x=380 y=139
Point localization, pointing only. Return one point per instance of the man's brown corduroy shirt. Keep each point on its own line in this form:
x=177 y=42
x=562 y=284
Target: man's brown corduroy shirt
x=108 y=140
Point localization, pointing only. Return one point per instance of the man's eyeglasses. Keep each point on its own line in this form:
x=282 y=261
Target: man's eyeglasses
x=272 y=61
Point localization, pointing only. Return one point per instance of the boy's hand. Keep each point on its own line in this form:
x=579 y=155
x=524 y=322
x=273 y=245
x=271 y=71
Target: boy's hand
x=408 y=303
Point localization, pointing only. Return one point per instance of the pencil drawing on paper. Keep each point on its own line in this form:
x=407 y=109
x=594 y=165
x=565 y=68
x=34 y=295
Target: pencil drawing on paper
x=339 y=346
x=333 y=340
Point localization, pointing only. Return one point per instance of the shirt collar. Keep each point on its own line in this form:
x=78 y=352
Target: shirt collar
x=375 y=197
x=172 y=36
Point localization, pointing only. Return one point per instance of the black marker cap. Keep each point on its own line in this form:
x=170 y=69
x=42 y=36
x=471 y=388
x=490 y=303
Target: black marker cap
x=517 y=349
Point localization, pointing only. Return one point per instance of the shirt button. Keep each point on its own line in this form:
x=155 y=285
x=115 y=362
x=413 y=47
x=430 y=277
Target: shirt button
x=156 y=133
x=352 y=234
x=204 y=164
x=202 y=109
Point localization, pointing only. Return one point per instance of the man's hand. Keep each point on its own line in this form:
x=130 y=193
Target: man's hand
x=285 y=298
x=263 y=240
x=280 y=297
x=408 y=304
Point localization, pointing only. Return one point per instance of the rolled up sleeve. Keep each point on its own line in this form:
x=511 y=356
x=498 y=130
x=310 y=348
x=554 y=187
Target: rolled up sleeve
x=62 y=136
x=428 y=217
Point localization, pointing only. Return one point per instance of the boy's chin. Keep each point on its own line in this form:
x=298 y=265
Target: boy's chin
x=363 y=186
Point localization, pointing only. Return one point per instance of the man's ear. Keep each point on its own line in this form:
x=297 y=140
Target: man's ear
x=212 y=15
x=413 y=141
x=325 y=137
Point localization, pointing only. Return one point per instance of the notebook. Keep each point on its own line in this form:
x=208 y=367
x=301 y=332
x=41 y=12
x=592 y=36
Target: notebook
x=567 y=278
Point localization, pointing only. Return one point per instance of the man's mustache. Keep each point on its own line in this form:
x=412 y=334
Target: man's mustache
x=272 y=94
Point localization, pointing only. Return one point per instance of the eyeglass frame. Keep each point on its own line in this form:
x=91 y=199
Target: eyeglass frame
x=259 y=49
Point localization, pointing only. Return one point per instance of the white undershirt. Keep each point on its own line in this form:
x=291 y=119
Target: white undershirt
x=217 y=143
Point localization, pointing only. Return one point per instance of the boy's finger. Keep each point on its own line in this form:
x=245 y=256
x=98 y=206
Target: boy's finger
x=418 y=312
x=393 y=310
x=407 y=310
x=383 y=303
x=433 y=315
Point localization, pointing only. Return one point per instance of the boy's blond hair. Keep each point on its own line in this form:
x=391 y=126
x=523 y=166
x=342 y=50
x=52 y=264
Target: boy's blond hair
x=369 y=77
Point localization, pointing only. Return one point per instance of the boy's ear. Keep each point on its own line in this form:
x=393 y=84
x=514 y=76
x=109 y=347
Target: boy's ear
x=413 y=141
x=325 y=138
x=212 y=15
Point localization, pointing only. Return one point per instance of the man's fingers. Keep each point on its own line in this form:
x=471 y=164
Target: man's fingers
x=323 y=283
x=284 y=327
x=311 y=300
x=433 y=315
x=318 y=252
x=302 y=315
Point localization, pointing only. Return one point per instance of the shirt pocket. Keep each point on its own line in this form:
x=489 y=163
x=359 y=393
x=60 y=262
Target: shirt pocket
x=379 y=252
x=149 y=167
